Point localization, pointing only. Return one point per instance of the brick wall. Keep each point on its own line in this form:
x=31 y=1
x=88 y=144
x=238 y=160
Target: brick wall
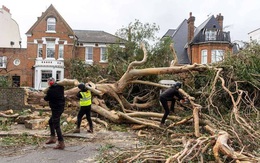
x=196 y=50
x=13 y=98
x=16 y=70
x=80 y=54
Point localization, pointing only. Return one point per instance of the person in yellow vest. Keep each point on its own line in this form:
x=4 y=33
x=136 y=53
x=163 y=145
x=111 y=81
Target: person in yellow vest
x=85 y=107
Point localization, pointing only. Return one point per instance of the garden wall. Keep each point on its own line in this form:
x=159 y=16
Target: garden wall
x=13 y=98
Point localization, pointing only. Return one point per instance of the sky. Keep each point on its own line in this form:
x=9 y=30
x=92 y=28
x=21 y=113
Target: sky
x=240 y=16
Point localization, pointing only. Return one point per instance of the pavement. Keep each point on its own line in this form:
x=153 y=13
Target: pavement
x=85 y=151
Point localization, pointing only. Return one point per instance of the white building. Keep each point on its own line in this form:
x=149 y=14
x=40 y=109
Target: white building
x=255 y=35
x=9 y=34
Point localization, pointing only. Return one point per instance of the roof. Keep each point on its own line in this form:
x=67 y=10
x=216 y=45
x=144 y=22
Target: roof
x=169 y=33
x=254 y=30
x=92 y=36
x=179 y=37
x=210 y=23
x=207 y=23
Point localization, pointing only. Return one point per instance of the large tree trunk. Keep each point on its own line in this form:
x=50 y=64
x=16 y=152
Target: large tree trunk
x=149 y=119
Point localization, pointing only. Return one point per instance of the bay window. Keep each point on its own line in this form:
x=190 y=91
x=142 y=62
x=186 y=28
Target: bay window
x=217 y=55
x=204 y=56
x=45 y=75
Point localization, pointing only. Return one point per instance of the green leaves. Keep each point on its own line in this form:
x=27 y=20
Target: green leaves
x=246 y=64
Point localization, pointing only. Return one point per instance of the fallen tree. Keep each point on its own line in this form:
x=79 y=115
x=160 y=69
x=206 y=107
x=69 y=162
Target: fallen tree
x=193 y=149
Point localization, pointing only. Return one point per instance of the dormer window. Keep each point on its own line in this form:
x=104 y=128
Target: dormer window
x=51 y=24
x=210 y=34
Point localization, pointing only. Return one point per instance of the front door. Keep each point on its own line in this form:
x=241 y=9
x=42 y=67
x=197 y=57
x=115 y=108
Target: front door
x=16 y=81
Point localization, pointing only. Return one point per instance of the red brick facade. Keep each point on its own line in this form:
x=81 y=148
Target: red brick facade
x=16 y=64
x=195 y=49
x=31 y=64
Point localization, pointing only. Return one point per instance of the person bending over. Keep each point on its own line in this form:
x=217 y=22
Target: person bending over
x=170 y=94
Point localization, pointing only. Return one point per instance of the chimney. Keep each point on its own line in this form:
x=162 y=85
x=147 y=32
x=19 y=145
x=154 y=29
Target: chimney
x=191 y=28
x=6 y=9
x=220 y=21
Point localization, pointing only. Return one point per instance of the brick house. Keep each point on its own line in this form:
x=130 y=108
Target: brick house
x=11 y=53
x=50 y=42
x=204 y=44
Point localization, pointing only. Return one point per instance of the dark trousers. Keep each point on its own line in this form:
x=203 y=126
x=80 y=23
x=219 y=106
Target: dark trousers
x=164 y=103
x=54 y=123
x=84 y=110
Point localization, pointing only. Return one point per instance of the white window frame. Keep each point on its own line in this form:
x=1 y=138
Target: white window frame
x=89 y=54
x=45 y=74
x=51 y=24
x=50 y=49
x=39 y=50
x=217 y=55
x=210 y=35
x=204 y=56
x=61 y=50
x=3 y=62
x=103 y=55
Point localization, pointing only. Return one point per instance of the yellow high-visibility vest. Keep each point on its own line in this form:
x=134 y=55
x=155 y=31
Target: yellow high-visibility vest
x=86 y=98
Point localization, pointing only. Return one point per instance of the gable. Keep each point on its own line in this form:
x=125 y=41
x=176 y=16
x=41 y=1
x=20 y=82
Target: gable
x=42 y=22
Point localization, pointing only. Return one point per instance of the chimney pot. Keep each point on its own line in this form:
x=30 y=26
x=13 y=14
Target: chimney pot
x=6 y=9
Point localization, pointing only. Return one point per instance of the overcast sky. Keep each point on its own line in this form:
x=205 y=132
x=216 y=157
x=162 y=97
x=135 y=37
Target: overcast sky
x=240 y=16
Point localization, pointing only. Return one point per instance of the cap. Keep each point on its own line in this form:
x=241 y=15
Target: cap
x=178 y=84
x=82 y=86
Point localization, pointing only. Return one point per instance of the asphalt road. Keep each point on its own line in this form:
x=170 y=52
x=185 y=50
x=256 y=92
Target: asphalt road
x=84 y=153
x=75 y=151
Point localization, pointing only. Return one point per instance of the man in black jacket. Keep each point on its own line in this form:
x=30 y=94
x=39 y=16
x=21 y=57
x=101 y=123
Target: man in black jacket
x=170 y=94
x=55 y=96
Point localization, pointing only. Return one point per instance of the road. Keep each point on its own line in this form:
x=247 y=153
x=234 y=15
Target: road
x=82 y=148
